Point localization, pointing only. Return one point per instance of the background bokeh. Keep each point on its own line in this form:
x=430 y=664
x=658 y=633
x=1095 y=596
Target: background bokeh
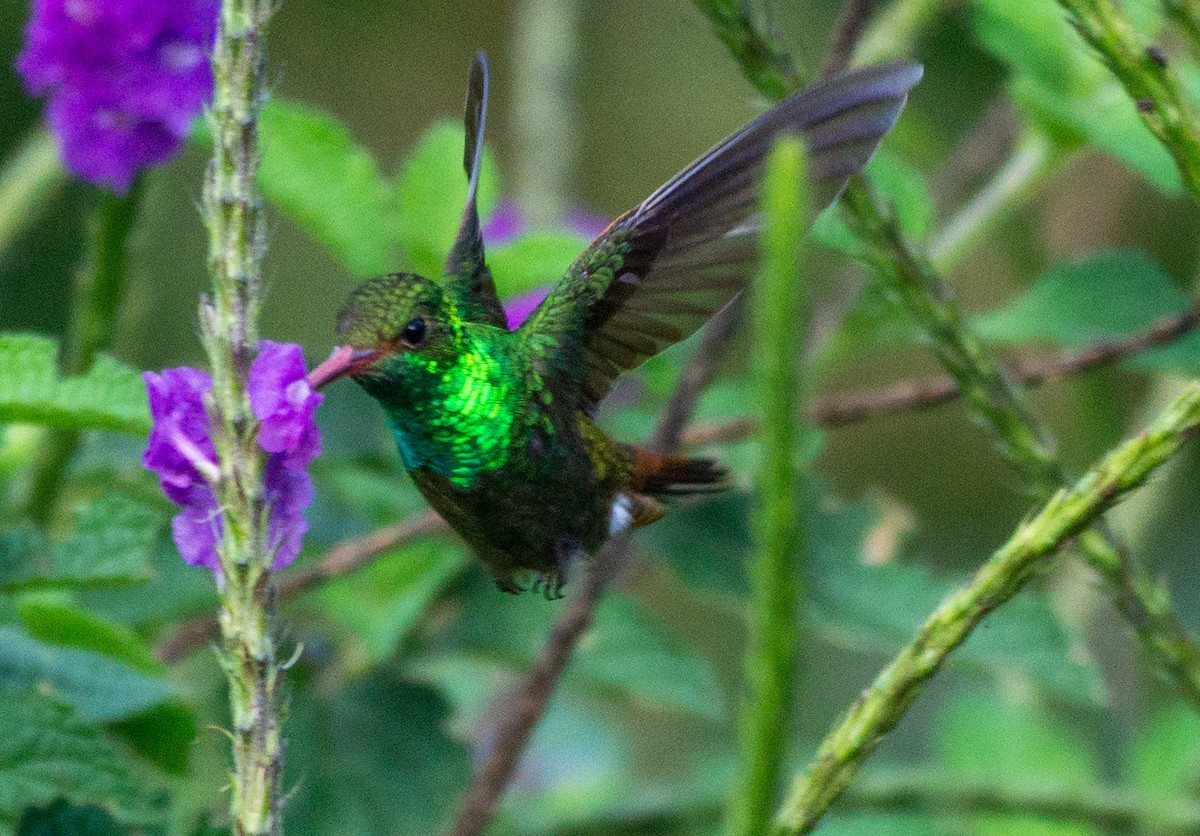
x=649 y=88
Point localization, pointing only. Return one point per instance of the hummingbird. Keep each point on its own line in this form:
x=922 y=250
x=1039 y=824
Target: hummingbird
x=497 y=427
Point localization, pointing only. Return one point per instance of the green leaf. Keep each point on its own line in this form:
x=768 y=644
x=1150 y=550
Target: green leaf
x=96 y=686
x=905 y=191
x=381 y=604
x=109 y=545
x=431 y=193
x=163 y=734
x=54 y=621
x=877 y=605
x=318 y=177
x=1061 y=83
x=874 y=324
x=536 y=258
x=63 y=819
x=629 y=653
x=984 y=736
x=110 y=396
x=1113 y=293
x=372 y=759
x=1165 y=758
x=859 y=606
x=46 y=753
x=631 y=650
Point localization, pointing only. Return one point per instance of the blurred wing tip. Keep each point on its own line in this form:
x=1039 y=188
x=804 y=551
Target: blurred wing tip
x=475 y=120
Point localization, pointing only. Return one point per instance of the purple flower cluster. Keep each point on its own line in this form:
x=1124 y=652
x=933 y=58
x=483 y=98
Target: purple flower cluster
x=181 y=452
x=125 y=79
x=505 y=223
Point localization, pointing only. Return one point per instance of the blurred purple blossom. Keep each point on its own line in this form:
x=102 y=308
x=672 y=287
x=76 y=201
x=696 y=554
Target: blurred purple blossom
x=181 y=452
x=125 y=79
x=518 y=308
x=506 y=223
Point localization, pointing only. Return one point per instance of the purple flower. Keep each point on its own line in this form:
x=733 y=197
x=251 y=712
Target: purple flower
x=518 y=308
x=125 y=79
x=505 y=223
x=181 y=452
x=284 y=403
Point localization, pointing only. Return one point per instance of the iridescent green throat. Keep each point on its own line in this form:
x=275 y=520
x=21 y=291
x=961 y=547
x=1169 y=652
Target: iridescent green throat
x=453 y=411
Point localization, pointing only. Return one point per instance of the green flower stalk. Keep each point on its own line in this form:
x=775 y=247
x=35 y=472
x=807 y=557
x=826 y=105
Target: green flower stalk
x=1068 y=512
x=779 y=313
x=234 y=216
x=1150 y=82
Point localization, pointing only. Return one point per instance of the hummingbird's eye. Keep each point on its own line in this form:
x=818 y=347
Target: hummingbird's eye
x=414 y=332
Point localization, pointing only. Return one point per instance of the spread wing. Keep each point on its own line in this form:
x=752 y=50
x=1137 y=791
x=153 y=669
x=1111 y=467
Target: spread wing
x=663 y=268
x=466 y=278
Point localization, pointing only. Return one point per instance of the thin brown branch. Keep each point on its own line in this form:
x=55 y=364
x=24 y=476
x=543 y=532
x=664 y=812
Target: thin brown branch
x=345 y=557
x=852 y=22
x=844 y=409
x=521 y=711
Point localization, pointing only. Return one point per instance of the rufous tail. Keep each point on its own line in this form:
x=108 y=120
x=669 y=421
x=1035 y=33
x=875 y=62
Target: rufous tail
x=657 y=474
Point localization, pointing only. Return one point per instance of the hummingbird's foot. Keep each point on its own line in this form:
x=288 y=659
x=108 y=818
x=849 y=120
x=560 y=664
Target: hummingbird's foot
x=506 y=583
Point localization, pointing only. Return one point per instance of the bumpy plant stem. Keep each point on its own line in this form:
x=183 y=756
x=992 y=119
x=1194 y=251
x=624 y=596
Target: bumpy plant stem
x=1067 y=513
x=909 y=277
x=99 y=288
x=1144 y=73
x=234 y=215
x=779 y=315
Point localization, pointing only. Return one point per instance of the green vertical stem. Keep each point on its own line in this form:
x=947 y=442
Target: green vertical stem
x=27 y=181
x=233 y=213
x=779 y=311
x=882 y=705
x=99 y=289
x=546 y=32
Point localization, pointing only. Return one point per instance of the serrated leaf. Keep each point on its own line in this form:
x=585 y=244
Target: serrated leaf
x=984 y=736
x=431 y=193
x=111 y=396
x=98 y=687
x=327 y=184
x=46 y=753
x=537 y=258
x=109 y=545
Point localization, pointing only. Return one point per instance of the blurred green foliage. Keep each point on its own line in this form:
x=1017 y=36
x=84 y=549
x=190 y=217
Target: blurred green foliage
x=403 y=663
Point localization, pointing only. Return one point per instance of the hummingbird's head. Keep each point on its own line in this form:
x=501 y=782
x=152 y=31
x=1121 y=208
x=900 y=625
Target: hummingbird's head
x=391 y=327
